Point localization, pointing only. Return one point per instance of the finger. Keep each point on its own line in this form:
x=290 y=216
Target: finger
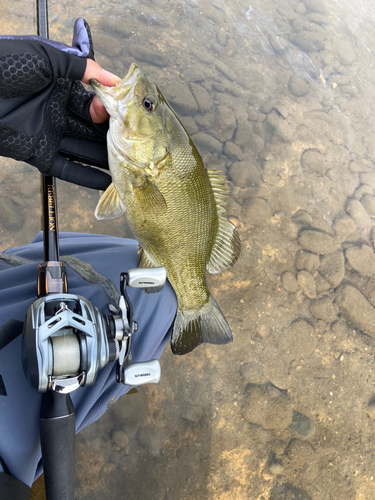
x=79 y=174
x=98 y=112
x=93 y=70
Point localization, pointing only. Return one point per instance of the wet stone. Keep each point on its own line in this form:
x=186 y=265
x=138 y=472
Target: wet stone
x=207 y=143
x=289 y=281
x=224 y=70
x=345 y=53
x=232 y=151
x=313 y=161
x=367 y=178
x=300 y=8
x=243 y=133
x=324 y=309
x=356 y=309
x=144 y=54
x=343 y=227
x=193 y=75
x=190 y=124
x=251 y=373
x=306 y=281
x=225 y=123
x=307 y=261
x=244 y=174
x=279 y=128
x=278 y=43
x=317 y=242
x=332 y=268
x=302 y=218
x=316 y=5
x=221 y=37
x=231 y=48
x=361 y=259
x=268 y=106
x=287 y=491
x=181 y=99
x=302 y=425
x=368 y=201
x=321 y=283
x=308 y=41
x=281 y=111
x=358 y=213
x=152 y=439
x=202 y=97
x=266 y=406
x=297 y=86
x=255 y=211
x=362 y=190
x=120 y=439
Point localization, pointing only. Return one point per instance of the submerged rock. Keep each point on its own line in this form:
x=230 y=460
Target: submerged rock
x=356 y=309
x=267 y=406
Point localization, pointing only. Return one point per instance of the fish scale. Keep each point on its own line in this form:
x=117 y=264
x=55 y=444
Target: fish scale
x=174 y=206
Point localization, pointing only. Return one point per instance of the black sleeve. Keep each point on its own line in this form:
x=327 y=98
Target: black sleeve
x=12 y=488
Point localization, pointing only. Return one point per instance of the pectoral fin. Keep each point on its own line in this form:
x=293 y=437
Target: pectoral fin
x=110 y=205
x=148 y=195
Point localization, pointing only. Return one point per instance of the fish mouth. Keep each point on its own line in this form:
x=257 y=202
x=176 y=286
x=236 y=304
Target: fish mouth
x=119 y=91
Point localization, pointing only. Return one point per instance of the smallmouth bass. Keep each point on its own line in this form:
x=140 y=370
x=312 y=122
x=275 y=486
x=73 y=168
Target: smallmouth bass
x=174 y=205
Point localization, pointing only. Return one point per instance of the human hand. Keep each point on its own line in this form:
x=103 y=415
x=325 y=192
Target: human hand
x=47 y=118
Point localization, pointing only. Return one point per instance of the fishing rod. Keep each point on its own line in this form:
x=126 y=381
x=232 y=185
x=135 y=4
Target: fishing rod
x=66 y=340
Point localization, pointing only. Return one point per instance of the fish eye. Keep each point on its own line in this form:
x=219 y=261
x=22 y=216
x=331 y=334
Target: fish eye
x=149 y=103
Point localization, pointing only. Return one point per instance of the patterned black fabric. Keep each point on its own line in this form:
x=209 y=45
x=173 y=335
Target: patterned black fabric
x=22 y=74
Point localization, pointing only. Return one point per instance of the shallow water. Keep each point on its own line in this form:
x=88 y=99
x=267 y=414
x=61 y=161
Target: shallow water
x=279 y=95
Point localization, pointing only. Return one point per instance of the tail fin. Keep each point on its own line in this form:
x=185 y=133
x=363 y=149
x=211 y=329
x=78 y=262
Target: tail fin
x=192 y=328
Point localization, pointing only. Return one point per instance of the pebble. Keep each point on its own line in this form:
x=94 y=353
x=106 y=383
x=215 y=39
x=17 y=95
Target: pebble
x=307 y=261
x=317 y=5
x=361 y=259
x=317 y=242
x=243 y=133
x=181 y=99
x=120 y=439
x=207 y=143
x=225 y=123
x=321 y=284
x=308 y=41
x=289 y=282
x=297 y=86
x=244 y=174
x=300 y=8
x=232 y=151
x=287 y=491
x=231 y=48
x=279 y=128
x=221 y=37
x=193 y=75
x=192 y=413
x=358 y=213
x=255 y=211
x=144 y=54
x=151 y=438
x=268 y=407
x=324 y=309
x=201 y=96
x=332 y=268
x=302 y=218
x=345 y=53
x=356 y=309
x=268 y=106
x=343 y=227
x=306 y=281
x=251 y=373
x=278 y=43
x=190 y=124
x=362 y=190
x=368 y=201
x=367 y=178
x=312 y=160
x=302 y=425
x=224 y=70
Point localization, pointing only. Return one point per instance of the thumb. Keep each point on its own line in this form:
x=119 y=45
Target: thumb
x=93 y=70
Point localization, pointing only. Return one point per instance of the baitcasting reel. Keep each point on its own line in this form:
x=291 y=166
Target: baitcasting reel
x=66 y=340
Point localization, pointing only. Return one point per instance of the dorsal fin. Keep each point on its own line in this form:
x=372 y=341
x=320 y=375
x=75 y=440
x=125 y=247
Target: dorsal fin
x=227 y=246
